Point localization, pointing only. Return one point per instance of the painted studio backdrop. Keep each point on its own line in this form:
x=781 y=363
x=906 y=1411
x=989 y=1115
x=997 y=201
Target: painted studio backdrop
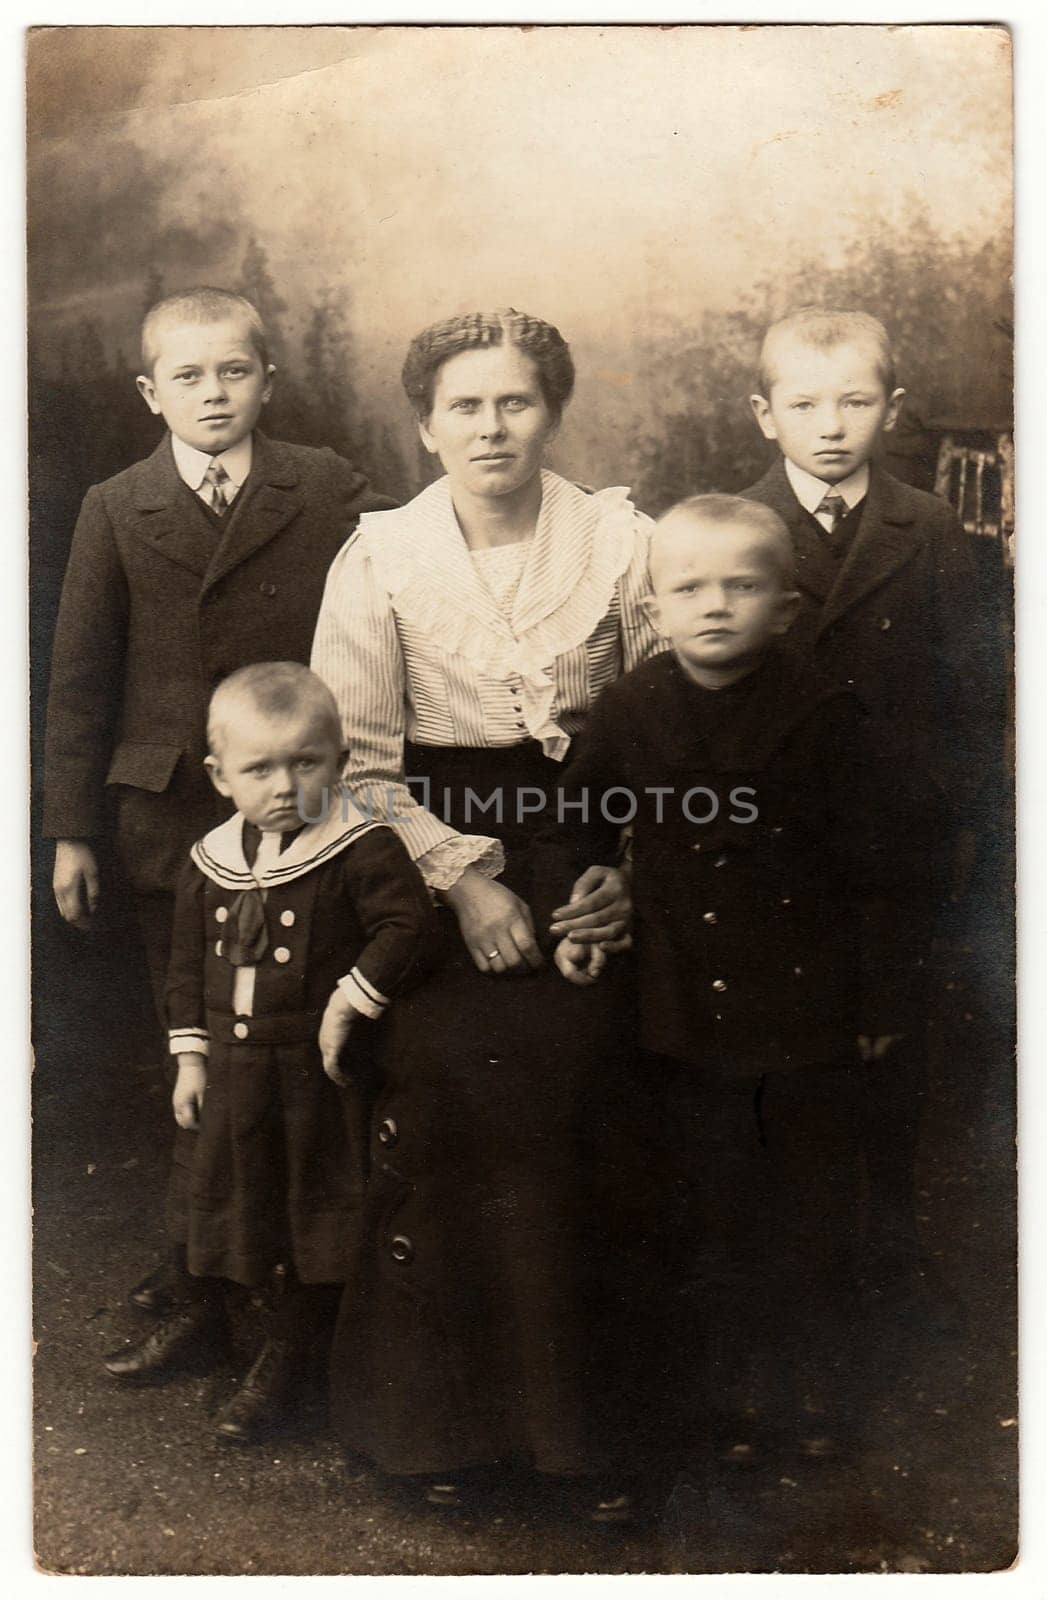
x=657 y=193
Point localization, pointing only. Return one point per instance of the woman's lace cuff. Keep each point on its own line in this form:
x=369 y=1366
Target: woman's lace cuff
x=443 y=865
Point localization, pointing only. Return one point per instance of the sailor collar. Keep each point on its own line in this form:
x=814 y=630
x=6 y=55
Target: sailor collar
x=220 y=853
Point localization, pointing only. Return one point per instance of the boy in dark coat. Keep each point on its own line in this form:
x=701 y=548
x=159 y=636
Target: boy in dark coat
x=890 y=605
x=210 y=554
x=285 y=936
x=770 y=966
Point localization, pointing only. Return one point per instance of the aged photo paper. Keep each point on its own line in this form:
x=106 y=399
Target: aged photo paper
x=648 y=201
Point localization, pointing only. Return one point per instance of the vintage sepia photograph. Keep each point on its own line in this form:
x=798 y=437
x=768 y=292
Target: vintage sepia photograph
x=521 y=550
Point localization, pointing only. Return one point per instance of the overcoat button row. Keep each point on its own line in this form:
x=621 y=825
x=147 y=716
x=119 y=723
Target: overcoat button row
x=241 y=1030
x=709 y=917
x=388 y=1132
x=282 y=954
x=268 y=589
x=287 y=919
x=719 y=985
x=401 y=1248
x=221 y=913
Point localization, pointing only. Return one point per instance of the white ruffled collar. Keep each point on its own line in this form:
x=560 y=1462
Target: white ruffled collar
x=220 y=853
x=582 y=545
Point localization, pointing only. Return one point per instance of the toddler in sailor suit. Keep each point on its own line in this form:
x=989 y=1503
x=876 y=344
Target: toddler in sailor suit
x=296 y=921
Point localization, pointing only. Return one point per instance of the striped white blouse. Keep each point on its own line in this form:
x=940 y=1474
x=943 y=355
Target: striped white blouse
x=415 y=644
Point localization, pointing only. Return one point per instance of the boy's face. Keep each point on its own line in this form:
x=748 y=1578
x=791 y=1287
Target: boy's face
x=208 y=383
x=827 y=408
x=275 y=769
x=717 y=596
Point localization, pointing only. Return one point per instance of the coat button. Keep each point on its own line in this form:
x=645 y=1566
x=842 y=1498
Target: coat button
x=218 y=948
x=388 y=1132
x=241 y=1030
x=798 y=972
x=697 y=846
x=709 y=917
x=719 y=985
x=721 y=861
x=786 y=900
x=221 y=913
x=268 y=589
x=883 y=623
x=777 y=831
x=287 y=919
x=282 y=954
x=401 y=1248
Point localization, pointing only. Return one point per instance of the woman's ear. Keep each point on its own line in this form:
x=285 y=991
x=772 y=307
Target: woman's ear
x=426 y=437
x=214 y=772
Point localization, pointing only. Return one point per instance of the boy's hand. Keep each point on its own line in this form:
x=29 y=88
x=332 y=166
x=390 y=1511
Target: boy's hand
x=188 y=1096
x=335 y=1025
x=75 y=881
x=579 y=963
x=875 y=1048
x=599 y=910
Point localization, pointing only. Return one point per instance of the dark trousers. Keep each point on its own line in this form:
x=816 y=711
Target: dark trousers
x=156 y=920
x=755 y=1229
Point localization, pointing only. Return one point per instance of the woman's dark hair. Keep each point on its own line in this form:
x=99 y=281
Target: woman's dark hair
x=476 y=330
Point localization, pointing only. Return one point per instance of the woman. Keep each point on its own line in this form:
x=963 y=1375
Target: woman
x=465 y=637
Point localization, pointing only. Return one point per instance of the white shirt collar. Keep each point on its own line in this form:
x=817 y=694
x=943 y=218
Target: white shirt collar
x=192 y=464
x=811 y=491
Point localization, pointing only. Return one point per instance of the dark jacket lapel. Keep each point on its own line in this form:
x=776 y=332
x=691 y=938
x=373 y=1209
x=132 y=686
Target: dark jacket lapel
x=816 y=569
x=887 y=538
x=162 y=515
x=269 y=499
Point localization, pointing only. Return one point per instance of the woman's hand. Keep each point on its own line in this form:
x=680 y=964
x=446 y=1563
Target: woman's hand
x=188 y=1095
x=335 y=1026
x=495 y=923
x=599 y=911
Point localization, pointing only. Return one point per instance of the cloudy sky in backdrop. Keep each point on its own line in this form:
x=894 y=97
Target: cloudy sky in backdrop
x=594 y=176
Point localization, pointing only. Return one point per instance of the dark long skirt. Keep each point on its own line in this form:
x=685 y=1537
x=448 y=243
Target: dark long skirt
x=478 y=1326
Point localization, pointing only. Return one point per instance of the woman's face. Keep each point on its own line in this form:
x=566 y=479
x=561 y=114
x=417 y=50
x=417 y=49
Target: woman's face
x=490 y=422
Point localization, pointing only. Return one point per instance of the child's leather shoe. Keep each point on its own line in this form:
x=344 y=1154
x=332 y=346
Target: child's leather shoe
x=187 y=1335
x=259 y=1405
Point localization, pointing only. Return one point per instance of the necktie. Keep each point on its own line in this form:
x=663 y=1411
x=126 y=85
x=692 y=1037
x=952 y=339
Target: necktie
x=216 y=479
x=832 y=505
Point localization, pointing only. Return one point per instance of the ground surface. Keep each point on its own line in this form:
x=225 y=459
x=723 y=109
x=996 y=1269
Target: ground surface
x=131 y=1481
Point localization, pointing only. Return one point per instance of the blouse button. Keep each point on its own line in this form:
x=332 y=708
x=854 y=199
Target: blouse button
x=287 y=919
x=221 y=913
x=282 y=954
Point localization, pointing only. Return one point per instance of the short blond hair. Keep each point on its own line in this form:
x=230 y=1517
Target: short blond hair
x=734 y=511
x=276 y=689
x=821 y=329
x=201 y=305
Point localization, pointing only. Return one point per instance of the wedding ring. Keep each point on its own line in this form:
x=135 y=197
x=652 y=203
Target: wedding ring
x=492 y=953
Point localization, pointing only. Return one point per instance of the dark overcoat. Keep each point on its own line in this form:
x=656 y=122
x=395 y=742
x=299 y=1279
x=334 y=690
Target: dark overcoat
x=770 y=934
x=157 y=608
x=903 y=620
x=278 y=1167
